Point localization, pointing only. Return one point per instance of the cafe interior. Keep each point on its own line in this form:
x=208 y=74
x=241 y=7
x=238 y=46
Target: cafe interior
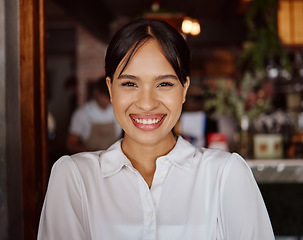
x=246 y=92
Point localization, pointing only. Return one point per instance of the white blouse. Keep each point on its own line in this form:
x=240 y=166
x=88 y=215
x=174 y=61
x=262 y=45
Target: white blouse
x=196 y=193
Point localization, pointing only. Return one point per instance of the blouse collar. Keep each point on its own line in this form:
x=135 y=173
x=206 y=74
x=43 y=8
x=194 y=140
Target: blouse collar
x=113 y=159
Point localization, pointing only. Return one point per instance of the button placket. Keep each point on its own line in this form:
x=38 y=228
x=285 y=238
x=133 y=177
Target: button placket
x=149 y=214
x=161 y=171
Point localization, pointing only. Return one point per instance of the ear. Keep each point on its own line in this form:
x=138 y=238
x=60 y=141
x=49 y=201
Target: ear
x=109 y=86
x=185 y=88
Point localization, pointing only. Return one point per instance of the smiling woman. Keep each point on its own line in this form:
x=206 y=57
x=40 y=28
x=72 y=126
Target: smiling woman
x=151 y=184
x=147 y=96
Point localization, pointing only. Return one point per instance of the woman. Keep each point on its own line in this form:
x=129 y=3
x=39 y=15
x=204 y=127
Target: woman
x=151 y=185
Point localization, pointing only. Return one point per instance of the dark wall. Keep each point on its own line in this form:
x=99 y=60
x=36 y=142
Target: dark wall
x=10 y=149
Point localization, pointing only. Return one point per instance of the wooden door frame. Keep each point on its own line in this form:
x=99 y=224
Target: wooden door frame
x=33 y=112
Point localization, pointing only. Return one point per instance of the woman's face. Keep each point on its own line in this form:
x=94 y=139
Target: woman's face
x=147 y=97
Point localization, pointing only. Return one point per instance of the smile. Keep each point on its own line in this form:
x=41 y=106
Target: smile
x=147 y=122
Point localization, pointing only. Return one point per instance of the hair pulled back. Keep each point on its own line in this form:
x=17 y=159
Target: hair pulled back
x=135 y=34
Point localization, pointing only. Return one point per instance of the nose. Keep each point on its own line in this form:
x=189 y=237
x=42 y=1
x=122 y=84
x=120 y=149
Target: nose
x=147 y=100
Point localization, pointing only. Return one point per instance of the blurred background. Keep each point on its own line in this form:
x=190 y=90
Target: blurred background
x=246 y=92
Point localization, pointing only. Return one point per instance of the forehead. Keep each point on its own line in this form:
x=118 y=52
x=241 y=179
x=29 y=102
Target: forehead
x=147 y=56
x=147 y=50
x=142 y=46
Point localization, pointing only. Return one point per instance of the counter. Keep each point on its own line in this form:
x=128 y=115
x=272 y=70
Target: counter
x=281 y=185
x=277 y=171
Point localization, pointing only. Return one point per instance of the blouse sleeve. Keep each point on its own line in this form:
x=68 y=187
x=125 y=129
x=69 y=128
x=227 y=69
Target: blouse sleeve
x=243 y=212
x=62 y=213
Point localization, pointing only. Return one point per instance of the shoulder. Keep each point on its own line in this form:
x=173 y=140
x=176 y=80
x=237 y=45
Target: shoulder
x=230 y=167
x=222 y=162
x=211 y=154
x=87 y=161
x=223 y=157
x=77 y=165
x=214 y=157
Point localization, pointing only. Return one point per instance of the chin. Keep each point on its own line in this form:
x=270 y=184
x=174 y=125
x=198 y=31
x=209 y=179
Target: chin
x=148 y=138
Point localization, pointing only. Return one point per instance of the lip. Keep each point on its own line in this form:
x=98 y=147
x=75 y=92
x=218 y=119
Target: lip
x=147 y=122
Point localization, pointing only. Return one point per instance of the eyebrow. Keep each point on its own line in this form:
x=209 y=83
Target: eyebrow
x=127 y=76
x=160 y=77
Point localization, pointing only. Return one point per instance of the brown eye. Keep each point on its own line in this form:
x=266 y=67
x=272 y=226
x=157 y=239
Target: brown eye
x=166 y=84
x=129 y=84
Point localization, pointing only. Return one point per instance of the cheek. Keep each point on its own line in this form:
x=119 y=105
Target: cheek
x=174 y=100
x=120 y=101
x=174 y=105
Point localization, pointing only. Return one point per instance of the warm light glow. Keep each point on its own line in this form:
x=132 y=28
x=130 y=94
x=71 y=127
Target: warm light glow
x=195 y=28
x=155 y=6
x=190 y=26
x=187 y=25
x=290 y=21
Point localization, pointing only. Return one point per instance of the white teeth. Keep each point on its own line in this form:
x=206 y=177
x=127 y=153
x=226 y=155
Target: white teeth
x=147 y=121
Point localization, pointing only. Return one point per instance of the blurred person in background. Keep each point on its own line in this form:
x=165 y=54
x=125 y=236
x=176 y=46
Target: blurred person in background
x=93 y=125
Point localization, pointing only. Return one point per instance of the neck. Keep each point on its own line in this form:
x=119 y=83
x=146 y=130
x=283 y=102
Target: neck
x=143 y=156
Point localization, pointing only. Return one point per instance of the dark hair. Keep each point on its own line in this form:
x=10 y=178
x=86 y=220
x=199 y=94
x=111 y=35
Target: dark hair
x=135 y=34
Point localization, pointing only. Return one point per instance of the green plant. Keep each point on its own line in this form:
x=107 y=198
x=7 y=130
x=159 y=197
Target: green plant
x=263 y=42
x=250 y=99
